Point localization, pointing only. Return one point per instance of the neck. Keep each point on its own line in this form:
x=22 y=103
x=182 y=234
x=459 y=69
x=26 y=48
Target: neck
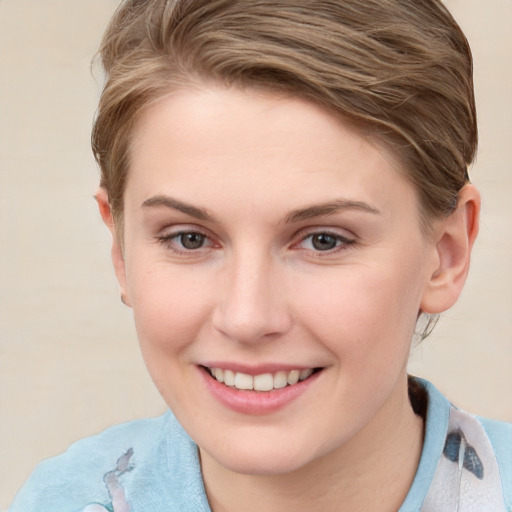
x=383 y=457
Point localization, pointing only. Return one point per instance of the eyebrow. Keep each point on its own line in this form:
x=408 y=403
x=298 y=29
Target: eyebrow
x=330 y=208
x=188 y=209
x=316 y=210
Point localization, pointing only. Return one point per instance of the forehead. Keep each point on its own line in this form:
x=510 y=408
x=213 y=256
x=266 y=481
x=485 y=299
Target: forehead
x=222 y=141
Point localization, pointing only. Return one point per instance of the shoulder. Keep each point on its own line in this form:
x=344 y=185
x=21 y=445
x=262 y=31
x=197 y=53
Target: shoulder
x=124 y=463
x=473 y=459
x=500 y=437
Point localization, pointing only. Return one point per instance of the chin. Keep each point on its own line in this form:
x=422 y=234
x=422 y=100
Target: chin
x=257 y=467
x=263 y=459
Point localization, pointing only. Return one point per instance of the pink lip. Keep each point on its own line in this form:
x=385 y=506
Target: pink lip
x=253 y=370
x=255 y=402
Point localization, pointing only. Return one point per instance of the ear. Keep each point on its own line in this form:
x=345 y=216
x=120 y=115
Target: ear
x=101 y=197
x=455 y=237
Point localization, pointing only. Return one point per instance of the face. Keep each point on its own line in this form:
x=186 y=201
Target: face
x=270 y=245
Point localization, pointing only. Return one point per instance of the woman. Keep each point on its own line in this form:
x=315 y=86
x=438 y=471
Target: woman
x=286 y=186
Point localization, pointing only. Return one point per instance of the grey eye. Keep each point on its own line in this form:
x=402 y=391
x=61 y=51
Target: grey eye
x=192 y=240
x=324 y=241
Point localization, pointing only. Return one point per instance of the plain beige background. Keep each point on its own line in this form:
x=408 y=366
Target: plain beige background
x=69 y=363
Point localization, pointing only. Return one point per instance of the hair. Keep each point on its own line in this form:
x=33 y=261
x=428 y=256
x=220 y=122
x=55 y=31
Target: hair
x=399 y=70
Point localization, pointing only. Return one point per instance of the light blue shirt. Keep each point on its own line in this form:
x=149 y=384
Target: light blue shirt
x=152 y=465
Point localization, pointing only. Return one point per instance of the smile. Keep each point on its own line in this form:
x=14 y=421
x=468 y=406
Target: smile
x=258 y=391
x=262 y=382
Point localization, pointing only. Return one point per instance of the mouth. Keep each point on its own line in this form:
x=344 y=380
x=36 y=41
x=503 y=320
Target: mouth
x=263 y=382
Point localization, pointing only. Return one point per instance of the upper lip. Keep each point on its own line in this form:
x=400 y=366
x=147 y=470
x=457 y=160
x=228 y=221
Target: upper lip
x=256 y=369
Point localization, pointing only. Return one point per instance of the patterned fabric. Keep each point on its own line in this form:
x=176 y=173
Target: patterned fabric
x=467 y=478
x=118 y=503
x=153 y=465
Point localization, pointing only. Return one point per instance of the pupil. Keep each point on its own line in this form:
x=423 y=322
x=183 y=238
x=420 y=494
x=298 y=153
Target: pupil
x=192 y=240
x=324 y=242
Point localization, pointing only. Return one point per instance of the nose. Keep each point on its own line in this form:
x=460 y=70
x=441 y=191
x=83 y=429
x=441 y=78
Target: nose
x=252 y=303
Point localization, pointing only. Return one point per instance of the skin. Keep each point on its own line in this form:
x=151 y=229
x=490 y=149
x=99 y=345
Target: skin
x=258 y=291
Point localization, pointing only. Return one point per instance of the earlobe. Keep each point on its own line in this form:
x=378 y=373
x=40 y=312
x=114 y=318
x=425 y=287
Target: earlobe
x=101 y=197
x=455 y=238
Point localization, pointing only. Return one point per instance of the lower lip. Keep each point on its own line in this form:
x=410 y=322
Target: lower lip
x=256 y=402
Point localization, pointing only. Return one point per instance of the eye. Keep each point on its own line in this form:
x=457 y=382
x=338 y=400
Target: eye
x=185 y=241
x=324 y=241
x=191 y=241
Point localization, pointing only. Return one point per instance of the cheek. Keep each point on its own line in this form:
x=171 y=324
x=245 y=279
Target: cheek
x=170 y=307
x=170 y=311
x=367 y=315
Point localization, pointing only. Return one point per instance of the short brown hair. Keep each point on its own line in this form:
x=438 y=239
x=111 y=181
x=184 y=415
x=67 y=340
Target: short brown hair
x=401 y=70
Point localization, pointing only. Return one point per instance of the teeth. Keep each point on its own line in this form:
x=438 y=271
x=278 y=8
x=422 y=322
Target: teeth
x=263 y=382
x=229 y=377
x=293 y=377
x=219 y=374
x=244 y=381
x=280 y=380
x=304 y=374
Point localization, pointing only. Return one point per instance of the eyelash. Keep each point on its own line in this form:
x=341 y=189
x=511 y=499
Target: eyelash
x=170 y=242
